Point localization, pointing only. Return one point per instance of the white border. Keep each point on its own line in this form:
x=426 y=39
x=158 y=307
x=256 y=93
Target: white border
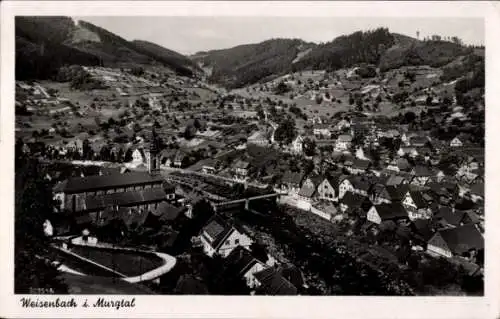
x=267 y=307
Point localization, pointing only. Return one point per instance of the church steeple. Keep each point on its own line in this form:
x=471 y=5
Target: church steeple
x=154 y=151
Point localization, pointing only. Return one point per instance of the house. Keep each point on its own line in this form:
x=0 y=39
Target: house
x=399 y=165
x=327 y=188
x=345 y=186
x=459 y=140
x=291 y=182
x=422 y=231
x=241 y=169
x=209 y=166
x=388 y=193
x=389 y=133
x=360 y=185
x=179 y=159
x=139 y=156
x=241 y=262
x=447 y=217
x=72 y=193
x=75 y=145
x=360 y=154
x=405 y=137
x=418 y=141
x=307 y=192
x=343 y=143
x=322 y=130
x=167 y=157
x=410 y=150
x=166 y=213
x=417 y=205
x=421 y=175
x=298 y=145
x=270 y=282
x=477 y=192
x=355 y=204
x=465 y=241
x=384 y=212
x=342 y=124
x=359 y=166
x=395 y=180
x=220 y=237
x=469 y=168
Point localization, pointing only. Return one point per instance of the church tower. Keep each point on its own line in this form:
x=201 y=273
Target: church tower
x=154 y=154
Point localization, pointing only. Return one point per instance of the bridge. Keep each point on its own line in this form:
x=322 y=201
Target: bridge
x=194 y=185
x=218 y=206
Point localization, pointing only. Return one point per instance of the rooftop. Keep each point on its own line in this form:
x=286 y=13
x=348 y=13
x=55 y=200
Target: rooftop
x=96 y=182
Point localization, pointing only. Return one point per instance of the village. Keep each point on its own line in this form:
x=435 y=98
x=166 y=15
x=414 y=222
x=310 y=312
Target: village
x=389 y=168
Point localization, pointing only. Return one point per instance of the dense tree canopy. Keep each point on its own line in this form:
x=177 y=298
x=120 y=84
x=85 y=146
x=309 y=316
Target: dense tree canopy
x=33 y=205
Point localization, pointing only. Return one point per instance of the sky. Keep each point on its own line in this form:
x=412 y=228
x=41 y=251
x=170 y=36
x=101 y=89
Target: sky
x=191 y=34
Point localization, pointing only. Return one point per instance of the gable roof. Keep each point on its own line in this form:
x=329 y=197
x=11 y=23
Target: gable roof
x=132 y=198
x=307 y=190
x=391 y=211
x=418 y=199
x=218 y=229
x=395 y=180
x=463 y=238
x=334 y=180
x=422 y=171
x=360 y=164
x=166 y=211
x=292 y=273
x=360 y=183
x=449 y=216
x=422 y=228
x=240 y=260
x=273 y=283
x=397 y=193
x=477 y=189
x=418 y=140
x=241 y=164
x=353 y=200
x=292 y=177
x=344 y=138
x=96 y=182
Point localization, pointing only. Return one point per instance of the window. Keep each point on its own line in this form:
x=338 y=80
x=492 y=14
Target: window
x=227 y=242
x=236 y=241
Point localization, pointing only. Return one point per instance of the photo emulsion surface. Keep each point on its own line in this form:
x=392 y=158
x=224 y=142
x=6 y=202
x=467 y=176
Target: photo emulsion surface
x=205 y=155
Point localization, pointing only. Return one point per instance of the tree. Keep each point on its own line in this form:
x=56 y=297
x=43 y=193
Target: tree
x=286 y=131
x=447 y=101
x=259 y=251
x=282 y=88
x=359 y=105
x=309 y=147
x=260 y=112
x=318 y=99
x=409 y=117
x=87 y=150
x=31 y=270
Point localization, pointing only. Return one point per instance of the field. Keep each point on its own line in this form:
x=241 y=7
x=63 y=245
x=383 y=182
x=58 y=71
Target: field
x=127 y=263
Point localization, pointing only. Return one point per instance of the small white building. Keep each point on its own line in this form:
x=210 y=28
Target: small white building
x=219 y=237
x=298 y=145
x=343 y=143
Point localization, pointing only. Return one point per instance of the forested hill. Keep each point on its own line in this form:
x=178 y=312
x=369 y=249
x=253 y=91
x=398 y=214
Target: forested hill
x=246 y=64
x=249 y=63
x=178 y=62
x=44 y=44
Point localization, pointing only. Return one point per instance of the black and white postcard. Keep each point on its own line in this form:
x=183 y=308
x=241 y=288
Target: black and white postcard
x=252 y=159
